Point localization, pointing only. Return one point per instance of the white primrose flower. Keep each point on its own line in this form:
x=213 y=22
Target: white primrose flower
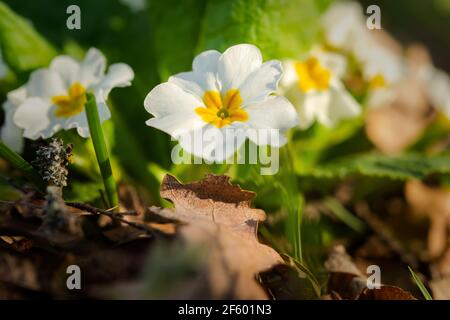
x=56 y=96
x=225 y=99
x=11 y=134
x=344 y=26
x=315 y=87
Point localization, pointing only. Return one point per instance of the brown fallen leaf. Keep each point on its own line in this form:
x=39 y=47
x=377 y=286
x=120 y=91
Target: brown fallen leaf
x=440 y=288
x=217 y=219
x=434 y=203
x=385 y=293
x=346 y=281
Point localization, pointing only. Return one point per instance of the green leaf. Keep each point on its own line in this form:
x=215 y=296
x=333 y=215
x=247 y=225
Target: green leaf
x=280 y=28
x=23 y=48
x=22 y=165
x=401 y=167
x=175 y=27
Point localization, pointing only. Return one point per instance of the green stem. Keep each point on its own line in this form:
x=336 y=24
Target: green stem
x=22 y=165
x=101 y=151
x=294 y=201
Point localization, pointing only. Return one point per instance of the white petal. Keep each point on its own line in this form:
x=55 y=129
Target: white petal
x=236 y=64
x=45 y=84
x=207 y=61
x=334 y=62
x=314 y=106
x=67 y=67
x=203 y=77
x=118 y=75
x=276 y=114
x=342 y=106
x=92 y=68
x=174 y=123
x=167 y=98
x=261 y=82
x=213 y=144
x=34 y=116
x=17 y=96
x=377 y=60
x=11 y=135
x=342 y=22
x=290 y=76
x=173 y=108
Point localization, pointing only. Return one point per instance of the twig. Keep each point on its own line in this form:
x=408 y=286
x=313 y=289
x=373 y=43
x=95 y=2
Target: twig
x=379 y=227
x=92 y=209
x=113 y=215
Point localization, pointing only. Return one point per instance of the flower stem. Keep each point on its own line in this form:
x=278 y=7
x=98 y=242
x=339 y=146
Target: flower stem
x=22 y=165
x=101 y=151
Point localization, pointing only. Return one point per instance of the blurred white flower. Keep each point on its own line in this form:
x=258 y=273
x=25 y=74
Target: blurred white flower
x=344 y=25
x=219 y=100
x=55 y=96
x=10 y=134
x=315 y=87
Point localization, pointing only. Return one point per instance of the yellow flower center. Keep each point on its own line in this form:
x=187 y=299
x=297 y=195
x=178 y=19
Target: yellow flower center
x=311 y=75
x=377 y=81
x=71 y=104
x=221 y=111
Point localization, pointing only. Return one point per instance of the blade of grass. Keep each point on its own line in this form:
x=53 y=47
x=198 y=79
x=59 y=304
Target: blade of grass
x=420 y=284
x=22 y=165
x=344 y=215
x=101 y=151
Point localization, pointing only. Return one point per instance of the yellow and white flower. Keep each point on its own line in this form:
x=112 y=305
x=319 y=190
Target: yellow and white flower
x=345 y=29
x=314 y=85
x=55 y=96
x=211 y=109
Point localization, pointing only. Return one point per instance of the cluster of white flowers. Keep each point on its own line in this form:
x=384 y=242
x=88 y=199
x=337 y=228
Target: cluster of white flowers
x=345 y=29
x=53 y=99
x=382 y=67
x=227 y=97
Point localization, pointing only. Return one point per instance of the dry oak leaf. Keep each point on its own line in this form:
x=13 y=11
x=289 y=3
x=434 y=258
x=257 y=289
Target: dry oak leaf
x=346 y=281
x=433 y=202
x=217 y=218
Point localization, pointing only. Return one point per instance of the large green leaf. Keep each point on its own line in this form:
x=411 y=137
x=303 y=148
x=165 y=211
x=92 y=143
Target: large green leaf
x=175 y=27
x=23 y=48
x=376 y=165
x=280 y=28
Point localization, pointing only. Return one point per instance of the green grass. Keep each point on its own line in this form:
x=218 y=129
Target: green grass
x=22 y=165
x=420 y=285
